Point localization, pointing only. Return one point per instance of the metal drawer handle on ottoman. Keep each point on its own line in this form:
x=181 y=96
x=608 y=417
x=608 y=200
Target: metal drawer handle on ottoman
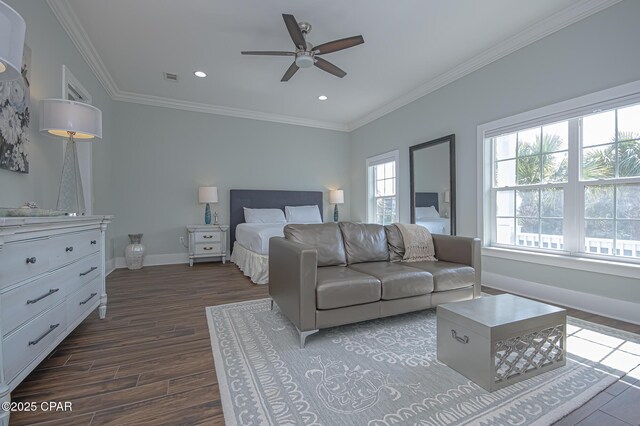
x=463 y=340
x=51 y=328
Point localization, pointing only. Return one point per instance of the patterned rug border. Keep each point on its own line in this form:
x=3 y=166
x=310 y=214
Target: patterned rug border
x=548 y=418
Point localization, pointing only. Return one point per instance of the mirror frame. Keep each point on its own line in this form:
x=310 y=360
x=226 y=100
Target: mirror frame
x=452 y=176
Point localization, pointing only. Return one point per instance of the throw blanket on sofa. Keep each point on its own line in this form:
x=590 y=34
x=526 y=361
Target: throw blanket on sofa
x=418 y=244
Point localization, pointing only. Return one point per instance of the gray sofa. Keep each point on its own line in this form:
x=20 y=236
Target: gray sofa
x=325 y=275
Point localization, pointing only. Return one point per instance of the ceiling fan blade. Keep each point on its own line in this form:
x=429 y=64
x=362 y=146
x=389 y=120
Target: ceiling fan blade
x=334 y=46
x=268 y=53
x=329 y=67
x=294 y=31
x=290 y=72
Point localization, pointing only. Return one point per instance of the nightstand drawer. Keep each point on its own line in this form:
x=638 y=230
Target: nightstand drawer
x=207 y=237
x=213 y=249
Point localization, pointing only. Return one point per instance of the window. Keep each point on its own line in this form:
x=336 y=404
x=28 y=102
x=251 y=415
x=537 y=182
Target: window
x=74 y=91
x=382 y=192
x=569 y=186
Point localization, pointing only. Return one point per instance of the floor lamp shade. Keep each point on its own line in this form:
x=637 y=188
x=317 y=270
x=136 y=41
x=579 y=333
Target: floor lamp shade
x=12 y=31
x=72 y=120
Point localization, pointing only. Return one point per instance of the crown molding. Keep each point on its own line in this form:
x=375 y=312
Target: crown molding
x=550 y=25
x=71 y=24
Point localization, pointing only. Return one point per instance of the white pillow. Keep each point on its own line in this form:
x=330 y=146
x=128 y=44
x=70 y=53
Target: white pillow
x=427 y=213
x=264 y=216
x=303 y=214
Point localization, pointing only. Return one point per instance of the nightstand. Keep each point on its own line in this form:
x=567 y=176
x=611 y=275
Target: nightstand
x=207 y=241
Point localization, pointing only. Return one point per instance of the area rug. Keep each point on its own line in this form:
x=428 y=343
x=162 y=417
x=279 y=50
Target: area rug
x=385 y=372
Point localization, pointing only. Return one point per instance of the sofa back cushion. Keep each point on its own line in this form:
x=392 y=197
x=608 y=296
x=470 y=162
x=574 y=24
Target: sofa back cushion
x=364 y=242
x=395 y=243
x=324 y=237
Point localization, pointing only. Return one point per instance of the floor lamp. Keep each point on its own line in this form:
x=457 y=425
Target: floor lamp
x=12 y=30
x=75 y=121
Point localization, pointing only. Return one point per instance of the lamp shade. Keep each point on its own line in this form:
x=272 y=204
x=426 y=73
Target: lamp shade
x=58 y=117
x=336 y=196
x=12 y=30
x=208 y=194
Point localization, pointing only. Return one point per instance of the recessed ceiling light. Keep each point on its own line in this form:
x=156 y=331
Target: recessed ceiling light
x=200 y=74
x=322 y=98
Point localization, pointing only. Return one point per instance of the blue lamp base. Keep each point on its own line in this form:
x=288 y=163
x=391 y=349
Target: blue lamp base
x=207 y=215
x=335 y=213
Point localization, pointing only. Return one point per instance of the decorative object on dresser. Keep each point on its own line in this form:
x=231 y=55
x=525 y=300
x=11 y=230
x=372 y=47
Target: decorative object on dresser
x=336 y=197
x=207 y=241
x=206 y=195
x=11 y=43
x=73 y=120
x=52 y=276
x=134 y=252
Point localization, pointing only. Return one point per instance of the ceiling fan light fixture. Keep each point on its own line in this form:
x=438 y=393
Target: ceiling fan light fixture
x=304 y=60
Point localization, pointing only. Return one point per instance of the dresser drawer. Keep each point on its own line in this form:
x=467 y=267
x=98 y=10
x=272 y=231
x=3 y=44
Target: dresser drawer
x=27 y=301
x=83 y=271
x=69 y=247
x=23 y=260
x=207 y=237
x=209 y=248
x=23 y=346
x=83 y=299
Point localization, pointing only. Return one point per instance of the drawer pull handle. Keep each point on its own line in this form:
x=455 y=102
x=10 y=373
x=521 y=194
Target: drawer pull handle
x=463 y=340
x=93 y=268
x=207 y=236
x=90 y=297
x=68 y=249
x=31 y=260
x=207 y=248
x=93 y=242
x=37 y=299
x=46 y=333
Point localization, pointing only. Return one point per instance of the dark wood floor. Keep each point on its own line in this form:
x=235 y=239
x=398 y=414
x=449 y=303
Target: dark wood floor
x=150 y=360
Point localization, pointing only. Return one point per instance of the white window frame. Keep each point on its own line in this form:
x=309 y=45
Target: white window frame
x=71 y=85
x=373 y=161
x=570 y=257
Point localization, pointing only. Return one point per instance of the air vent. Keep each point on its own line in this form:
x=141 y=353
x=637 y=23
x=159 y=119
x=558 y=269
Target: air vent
x=170 y=76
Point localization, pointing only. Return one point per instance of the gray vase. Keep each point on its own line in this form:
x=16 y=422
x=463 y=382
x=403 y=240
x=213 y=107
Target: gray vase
x=134 y=252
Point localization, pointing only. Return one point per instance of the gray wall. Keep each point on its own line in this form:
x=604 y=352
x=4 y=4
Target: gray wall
x=50 y=49
x=594 y=54
x=162 y=156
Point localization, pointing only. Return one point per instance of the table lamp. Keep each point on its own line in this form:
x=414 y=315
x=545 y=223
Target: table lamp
x=206 y=195
x=72 y=120
x=336 y=197
x=12 y=30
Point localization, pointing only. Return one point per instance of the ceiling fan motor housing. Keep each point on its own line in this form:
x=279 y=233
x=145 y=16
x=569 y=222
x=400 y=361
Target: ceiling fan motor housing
x=304 y=60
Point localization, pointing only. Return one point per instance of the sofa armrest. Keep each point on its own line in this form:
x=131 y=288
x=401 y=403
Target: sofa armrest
x=463 y=250
x=292 y=281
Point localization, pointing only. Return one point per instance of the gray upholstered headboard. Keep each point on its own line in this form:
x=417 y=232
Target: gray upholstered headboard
x=427 y=199
x=267 y=199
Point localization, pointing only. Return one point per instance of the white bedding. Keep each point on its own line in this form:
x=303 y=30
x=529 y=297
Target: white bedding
x=436 y=225
x=255 y=236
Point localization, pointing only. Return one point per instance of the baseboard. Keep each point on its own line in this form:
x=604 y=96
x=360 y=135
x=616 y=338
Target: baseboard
x=157 y=259
x=613 y=308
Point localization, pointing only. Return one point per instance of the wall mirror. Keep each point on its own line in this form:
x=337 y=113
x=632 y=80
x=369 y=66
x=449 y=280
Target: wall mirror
x=433 y=185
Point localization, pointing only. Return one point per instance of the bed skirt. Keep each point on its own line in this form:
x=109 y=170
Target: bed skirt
x=252 y=264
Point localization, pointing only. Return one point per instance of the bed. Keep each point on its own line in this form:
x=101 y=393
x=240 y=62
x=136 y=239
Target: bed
x=250 y=241
x=436 y=224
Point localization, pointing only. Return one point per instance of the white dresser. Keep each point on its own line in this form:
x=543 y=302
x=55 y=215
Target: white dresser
x=207 y=241
x=52 y=276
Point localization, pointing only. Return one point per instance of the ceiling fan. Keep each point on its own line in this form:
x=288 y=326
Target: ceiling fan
x=306 y=55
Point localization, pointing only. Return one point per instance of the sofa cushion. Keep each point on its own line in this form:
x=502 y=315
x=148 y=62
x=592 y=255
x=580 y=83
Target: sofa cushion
x=339 y=286
x=447 y=275
x=395 y=243
x=324 y=237
x=397 y=280
x=364 y=242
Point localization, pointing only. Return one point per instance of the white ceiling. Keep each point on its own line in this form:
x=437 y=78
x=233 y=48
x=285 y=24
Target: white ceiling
x=411 y=47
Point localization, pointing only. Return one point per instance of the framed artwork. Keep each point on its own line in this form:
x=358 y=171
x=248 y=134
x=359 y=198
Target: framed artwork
x=14 y=119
